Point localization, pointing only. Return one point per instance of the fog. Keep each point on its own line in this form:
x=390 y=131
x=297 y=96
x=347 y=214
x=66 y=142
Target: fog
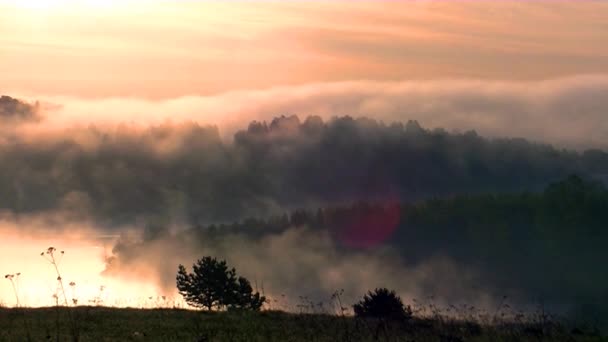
x=300 y=262
x=292 y=268
x=568 y=112
x=125 y=192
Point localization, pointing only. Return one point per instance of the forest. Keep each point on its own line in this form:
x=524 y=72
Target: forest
x=119 y=176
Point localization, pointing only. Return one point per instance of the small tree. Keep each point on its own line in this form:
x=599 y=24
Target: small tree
x=243 y=297
x=212 y=285
x=382 y=303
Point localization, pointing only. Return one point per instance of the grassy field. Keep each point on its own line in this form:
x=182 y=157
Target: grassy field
x=111 y=324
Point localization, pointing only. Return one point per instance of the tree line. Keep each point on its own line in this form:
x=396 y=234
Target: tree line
x=150 y=174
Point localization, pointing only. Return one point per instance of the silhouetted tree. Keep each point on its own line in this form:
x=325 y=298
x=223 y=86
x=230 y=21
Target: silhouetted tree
x=243 y=297
x=208 y=285
x=382 y=303
x=212 y=285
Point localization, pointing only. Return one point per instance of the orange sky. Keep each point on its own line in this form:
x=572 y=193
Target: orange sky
x=169 y=49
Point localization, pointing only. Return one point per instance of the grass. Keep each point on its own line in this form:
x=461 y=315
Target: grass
x=113 y=324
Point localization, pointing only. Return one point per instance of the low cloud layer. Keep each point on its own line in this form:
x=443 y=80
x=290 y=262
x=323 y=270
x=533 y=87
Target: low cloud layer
x=568 y=112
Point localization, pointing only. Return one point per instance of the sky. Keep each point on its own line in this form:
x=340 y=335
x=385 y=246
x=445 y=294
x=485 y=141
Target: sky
x=169 y=49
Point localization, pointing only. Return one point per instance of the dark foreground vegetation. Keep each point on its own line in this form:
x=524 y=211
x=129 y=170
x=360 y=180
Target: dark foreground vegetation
x=110 y=324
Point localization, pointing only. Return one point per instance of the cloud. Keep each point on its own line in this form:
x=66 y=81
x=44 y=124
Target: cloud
x=171 y=52
x=568 y=112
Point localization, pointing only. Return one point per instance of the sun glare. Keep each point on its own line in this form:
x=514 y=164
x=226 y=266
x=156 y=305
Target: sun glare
x=81 y=266
x=40 y=4
x=46 y=5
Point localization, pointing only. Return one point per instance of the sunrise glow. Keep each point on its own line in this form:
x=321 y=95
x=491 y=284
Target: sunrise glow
x=357 y=162
x=81 y=258
x=50 y=5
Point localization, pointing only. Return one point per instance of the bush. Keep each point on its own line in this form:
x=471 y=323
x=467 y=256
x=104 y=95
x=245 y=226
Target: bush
x=212 y=285
x=382 y=303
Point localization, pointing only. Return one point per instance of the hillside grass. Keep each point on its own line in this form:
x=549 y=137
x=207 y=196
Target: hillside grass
x=113 y=324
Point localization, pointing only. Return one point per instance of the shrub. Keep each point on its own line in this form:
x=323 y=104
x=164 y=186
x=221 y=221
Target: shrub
x=382 y=303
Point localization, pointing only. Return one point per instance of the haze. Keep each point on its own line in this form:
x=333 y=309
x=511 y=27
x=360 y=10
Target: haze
x=129 y=127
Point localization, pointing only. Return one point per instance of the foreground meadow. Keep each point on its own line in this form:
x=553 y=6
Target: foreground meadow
x=112 y=324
